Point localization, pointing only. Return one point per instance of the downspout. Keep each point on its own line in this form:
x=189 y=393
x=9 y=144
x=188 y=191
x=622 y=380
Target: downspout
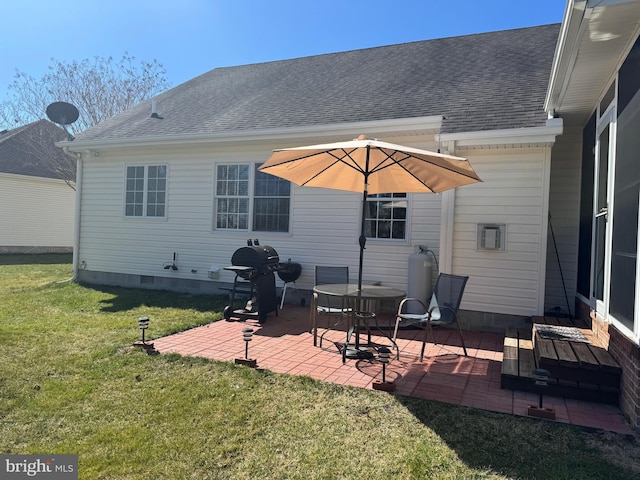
x=76 y=223
x=447 y=221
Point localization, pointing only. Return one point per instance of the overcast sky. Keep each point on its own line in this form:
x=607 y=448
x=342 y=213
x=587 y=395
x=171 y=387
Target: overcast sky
x=190 y=37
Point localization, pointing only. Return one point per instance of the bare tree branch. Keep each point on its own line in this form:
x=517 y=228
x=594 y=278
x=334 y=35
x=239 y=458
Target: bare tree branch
x=99 y=88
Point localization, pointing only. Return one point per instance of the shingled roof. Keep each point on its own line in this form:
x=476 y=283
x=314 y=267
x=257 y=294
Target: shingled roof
x=485 y=81
x=30 y=150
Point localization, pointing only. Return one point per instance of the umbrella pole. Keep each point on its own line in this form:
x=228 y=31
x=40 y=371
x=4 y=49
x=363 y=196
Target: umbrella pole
x=356 y=351
x=363 y=239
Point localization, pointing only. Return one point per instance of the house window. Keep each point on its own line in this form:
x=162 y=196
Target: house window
x=247 y=199
x=146 y=189
x=232 y=197
x=386 y=216
x=271 y=203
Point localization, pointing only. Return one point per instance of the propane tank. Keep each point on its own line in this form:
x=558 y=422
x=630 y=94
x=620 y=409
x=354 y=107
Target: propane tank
x=419 y=283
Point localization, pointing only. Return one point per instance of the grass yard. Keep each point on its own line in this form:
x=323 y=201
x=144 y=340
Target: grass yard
x=70 y=382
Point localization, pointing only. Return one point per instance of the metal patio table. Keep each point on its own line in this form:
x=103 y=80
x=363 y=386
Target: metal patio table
x=364 y=304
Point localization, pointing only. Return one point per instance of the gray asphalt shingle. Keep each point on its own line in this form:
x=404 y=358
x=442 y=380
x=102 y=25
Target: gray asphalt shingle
x=478 y=82
x=30 y=150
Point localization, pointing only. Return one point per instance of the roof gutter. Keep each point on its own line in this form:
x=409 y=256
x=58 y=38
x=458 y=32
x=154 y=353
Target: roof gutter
x=574 y=24
x=544 y=135
x=396 y=127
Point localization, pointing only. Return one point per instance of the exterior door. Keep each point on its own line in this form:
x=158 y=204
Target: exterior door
x=601 y=224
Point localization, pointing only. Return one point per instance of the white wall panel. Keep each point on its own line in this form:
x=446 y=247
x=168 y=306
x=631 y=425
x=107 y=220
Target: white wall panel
x=36 y=212
x=511 y=193
x=325 y=226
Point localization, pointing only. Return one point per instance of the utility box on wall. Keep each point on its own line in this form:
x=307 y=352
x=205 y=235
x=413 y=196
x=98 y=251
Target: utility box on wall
x=491 y=237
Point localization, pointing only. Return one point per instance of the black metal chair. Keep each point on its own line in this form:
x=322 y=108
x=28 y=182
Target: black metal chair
x=324 y=305
x=442 y=310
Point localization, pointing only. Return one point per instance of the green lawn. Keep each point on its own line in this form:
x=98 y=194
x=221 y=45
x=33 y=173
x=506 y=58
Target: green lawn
x=70 y=382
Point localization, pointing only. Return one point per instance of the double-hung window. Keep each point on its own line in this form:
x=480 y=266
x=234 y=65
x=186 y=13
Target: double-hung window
x=386 y=216
x=271 y=203
x=146 y=190
x=247 y=199
x=232 y=197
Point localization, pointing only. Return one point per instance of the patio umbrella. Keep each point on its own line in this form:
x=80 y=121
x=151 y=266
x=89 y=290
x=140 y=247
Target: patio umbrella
x=371 y=167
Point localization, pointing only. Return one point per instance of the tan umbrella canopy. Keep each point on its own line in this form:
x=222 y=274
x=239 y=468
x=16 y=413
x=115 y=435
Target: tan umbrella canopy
x=371 y=167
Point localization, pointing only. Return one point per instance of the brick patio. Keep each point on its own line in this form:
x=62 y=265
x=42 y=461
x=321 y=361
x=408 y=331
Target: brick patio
x=284 y=345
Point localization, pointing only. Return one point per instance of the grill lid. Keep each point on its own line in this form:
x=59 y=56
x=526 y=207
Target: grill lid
x=256 y=256
x=290 y=271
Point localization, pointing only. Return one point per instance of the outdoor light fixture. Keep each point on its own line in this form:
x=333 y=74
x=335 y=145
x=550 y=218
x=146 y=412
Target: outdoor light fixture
x=541 y=383
x=143 y=324
x=247 y=335
x=384 y=357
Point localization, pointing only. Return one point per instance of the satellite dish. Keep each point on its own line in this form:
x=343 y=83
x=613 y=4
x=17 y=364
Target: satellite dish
x=64 y=114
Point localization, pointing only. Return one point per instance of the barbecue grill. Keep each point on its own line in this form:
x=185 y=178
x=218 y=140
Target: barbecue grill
x=289 y=273
x=254 y=266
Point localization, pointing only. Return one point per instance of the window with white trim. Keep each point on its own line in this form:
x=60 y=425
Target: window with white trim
x=271 y=203
x=247 y=199
x=232 y=197
x=386 y=216
x=145 y=191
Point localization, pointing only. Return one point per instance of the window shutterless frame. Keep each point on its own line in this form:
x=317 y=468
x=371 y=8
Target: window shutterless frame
x=387 y=217
x=145 y=191
x=246 y=199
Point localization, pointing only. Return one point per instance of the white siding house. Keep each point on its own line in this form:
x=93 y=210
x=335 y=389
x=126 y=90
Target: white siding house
x=36 y=215
x=325 y=226
x=547 y=116
x=37 y=205
x=487 y=107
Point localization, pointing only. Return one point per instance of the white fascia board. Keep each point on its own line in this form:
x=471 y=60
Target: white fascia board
x=574 y=23
x=512 y=136
x=403 y=126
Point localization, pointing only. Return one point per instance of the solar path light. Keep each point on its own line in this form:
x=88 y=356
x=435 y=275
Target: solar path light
x=384 y=356
x=541 y=383
x=247 y=335
x=143 y=324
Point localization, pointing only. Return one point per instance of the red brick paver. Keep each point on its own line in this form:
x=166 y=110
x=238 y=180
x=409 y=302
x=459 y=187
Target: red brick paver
x=284 y=345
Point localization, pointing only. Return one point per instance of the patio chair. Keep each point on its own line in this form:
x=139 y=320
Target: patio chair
x=442 y=310
x=324 y=305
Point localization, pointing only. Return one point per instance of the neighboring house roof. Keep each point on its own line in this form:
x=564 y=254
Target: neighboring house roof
x=486 y=81
x=30 y=150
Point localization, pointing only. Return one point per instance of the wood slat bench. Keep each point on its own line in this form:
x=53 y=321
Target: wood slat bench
x=578 y=367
